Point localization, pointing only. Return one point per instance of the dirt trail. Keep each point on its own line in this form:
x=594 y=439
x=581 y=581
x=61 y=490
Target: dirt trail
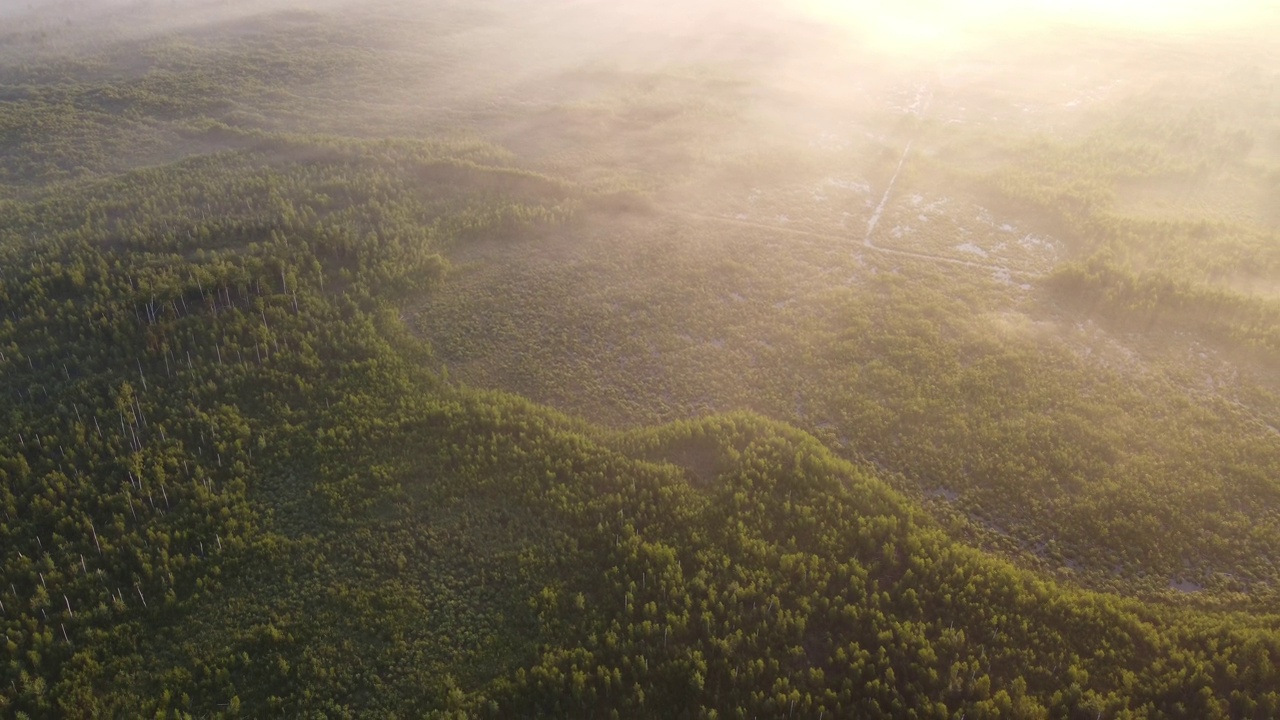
x=884 y=199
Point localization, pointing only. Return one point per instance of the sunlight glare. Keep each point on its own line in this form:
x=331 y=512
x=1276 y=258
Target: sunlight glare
x=907 y=26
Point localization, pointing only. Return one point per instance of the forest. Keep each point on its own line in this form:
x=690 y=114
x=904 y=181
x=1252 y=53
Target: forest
x=480 y=360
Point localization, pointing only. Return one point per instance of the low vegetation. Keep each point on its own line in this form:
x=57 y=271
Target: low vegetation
x=332 y=420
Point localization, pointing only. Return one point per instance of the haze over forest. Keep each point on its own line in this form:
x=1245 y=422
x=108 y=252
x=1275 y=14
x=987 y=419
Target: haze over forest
x=705 y=359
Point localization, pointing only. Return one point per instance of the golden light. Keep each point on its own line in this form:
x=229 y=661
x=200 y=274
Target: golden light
x=940 y=25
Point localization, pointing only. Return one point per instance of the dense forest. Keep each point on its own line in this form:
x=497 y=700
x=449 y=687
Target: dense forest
x=324 y=401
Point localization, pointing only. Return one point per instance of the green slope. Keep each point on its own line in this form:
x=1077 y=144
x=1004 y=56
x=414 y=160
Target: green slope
x=232 y=484
x=229 y=482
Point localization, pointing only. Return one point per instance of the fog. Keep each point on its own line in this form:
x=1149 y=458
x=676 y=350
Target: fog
x=1021 y=259
x=798 y=40
x=664 y=89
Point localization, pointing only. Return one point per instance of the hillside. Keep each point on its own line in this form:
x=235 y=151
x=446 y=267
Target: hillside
x=554 y=396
